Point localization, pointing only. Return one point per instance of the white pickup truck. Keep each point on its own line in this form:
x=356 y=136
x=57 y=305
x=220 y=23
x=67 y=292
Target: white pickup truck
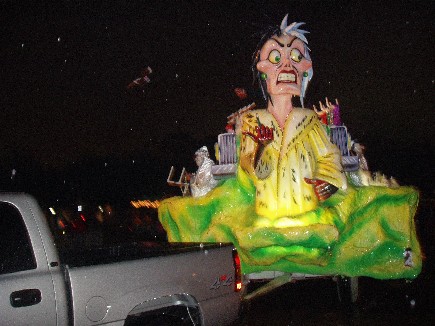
x=135 y=284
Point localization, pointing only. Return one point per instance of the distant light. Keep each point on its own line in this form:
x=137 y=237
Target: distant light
x=52 y=211
x=100 y=208
x=79 y=208
x=145 y=203
x=58 y=39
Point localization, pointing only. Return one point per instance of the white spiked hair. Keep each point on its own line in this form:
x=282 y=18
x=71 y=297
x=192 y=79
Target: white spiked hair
x=293 y=29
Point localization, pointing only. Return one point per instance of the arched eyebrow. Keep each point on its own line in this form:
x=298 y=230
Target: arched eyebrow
x=283 y=45
x=279 y=43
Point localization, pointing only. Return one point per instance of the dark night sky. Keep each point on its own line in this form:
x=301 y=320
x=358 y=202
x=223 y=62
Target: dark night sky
x=66 y=67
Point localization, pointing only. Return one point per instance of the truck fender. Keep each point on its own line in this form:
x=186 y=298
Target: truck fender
x=166 y=310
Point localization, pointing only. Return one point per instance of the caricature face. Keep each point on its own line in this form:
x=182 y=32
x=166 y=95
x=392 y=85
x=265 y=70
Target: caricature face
x=199 y=159
x=282 y=60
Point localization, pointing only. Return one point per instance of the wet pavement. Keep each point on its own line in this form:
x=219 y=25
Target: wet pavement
x=315 y=302
x=380 y=302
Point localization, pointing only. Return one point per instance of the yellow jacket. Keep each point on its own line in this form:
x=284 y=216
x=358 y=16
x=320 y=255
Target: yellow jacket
x=301 y=150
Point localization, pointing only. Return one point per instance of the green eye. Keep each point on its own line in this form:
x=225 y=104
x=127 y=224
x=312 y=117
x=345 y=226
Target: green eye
x=296 y=55
x=274 y=56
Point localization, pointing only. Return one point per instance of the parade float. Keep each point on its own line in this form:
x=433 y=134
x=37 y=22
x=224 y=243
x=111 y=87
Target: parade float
x=290 y=188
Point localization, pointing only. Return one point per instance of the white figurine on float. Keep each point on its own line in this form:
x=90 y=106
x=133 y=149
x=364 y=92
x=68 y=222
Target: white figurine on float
x=202 y=181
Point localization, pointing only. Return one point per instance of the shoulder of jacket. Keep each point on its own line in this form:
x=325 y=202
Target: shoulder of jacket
x=303 y=112
x=250 y=117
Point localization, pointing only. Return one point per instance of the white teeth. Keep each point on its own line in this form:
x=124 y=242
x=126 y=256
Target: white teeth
x=287 y=77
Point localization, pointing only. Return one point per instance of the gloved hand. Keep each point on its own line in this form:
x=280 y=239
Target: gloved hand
x=322 y=189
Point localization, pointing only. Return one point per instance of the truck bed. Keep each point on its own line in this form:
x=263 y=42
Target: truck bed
x=137 y=273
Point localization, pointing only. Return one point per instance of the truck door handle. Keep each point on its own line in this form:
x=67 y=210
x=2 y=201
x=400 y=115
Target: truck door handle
x=27 y=297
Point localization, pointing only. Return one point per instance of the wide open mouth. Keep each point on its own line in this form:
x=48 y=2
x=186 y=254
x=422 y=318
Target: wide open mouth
x=288 y=76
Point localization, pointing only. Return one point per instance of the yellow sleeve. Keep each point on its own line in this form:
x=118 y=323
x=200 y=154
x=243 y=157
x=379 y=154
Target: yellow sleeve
x=327 y=156
x=248 y=146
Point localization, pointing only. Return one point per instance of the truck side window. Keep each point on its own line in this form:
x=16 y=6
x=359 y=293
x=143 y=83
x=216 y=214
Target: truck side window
x=15 y=248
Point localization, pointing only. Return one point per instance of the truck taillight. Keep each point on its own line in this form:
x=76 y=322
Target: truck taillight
x=237 y=272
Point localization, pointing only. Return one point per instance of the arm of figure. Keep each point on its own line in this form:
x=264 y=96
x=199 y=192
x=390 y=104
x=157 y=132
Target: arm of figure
x=328 y=176
x=248 y=146
x=247 y=152
x=200 y=177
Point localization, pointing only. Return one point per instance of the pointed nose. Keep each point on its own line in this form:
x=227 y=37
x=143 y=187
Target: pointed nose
x=287 y=61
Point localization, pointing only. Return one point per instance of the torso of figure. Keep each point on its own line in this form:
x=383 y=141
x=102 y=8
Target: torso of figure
x=301 y=149
x=203 y=180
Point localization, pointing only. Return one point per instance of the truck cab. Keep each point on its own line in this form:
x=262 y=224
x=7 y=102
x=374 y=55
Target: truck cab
x=30 y=274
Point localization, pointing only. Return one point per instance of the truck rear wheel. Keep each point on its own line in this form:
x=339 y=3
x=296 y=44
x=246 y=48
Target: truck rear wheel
x=169 y=316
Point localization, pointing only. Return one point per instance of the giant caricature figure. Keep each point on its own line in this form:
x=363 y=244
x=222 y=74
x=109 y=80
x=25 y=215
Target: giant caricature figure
x=288 y=154
x=290 y=207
